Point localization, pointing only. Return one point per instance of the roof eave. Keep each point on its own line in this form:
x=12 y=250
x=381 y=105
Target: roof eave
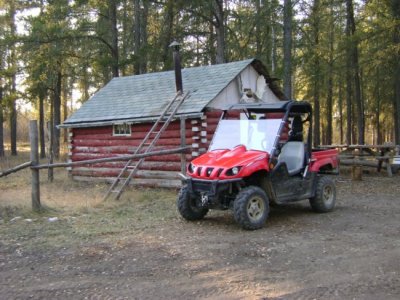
x=130 y=120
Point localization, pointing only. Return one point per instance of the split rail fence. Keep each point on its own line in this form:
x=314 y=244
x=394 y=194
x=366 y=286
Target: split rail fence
x=35 y=165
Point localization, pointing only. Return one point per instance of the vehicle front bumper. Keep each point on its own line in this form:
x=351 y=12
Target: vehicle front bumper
x=208 y=191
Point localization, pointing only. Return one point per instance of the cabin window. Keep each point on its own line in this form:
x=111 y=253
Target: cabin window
x=122 y=129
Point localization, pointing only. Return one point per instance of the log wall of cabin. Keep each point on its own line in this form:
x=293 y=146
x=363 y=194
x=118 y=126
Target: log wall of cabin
x=98 y=142
x=162 y=171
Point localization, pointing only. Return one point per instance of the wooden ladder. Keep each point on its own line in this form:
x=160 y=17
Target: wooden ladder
x=149 y=141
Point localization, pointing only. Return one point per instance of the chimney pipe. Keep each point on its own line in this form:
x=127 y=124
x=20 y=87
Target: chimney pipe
x=178 y=68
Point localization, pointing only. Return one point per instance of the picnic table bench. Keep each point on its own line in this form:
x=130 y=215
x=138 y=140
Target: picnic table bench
x=367 y=154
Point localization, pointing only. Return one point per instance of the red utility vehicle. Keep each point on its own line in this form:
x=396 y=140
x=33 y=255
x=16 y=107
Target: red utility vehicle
x=260 y=155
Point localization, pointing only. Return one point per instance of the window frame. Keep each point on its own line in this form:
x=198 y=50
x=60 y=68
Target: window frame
x=125 y=129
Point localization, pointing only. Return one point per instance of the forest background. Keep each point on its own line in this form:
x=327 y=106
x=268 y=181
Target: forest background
x=341 y=55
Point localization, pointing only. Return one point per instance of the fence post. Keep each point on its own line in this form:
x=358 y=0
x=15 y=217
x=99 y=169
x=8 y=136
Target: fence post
x=33 y=136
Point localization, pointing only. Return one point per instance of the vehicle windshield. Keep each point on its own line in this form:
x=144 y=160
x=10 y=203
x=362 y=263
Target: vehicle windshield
x=254 y=134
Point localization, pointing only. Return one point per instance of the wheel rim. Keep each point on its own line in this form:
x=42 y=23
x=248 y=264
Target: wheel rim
x=328 y=195
x=255 y=209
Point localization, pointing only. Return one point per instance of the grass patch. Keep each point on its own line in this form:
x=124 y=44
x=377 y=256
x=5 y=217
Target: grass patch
x=73 y=212
x=65 y=226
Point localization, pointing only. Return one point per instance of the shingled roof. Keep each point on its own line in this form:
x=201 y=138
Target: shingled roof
x=144 y=96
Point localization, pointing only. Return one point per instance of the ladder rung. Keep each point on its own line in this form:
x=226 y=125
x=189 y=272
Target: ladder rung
x=121 y=180
x=164 y=119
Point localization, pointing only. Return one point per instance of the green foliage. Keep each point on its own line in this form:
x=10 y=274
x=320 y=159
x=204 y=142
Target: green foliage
x=374 y=30
x=75 y=37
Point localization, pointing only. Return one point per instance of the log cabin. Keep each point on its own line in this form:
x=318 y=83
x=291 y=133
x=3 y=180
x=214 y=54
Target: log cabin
x=116 y=119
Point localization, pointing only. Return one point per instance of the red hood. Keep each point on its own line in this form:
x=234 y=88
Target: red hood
x=218 y=164
x=239 y=156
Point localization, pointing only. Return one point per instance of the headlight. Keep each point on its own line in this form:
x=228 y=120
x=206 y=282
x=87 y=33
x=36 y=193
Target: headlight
x=191 y=168
x=234 y=171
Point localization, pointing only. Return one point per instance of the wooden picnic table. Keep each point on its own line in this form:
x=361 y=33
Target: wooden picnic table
x=369 y=148
x=358 y=153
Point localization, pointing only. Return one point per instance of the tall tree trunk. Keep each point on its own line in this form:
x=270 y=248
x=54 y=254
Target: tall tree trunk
x=167 y=31
x=13 y=118
x=57 y=115
x=140 y=35
x=272 y=38
x=349 y=79
x=354 y=128
x=136 y=37
x=273 y=49
x=397 y=101
x=124 y=54
x=395 y=7
x=329 y=107
x=287 y=48
x=41 y=126
x=85 y=83
x=378 y=109
x=317 y=105
x=211 y=46
x=13 y=63
x=358 y=98
x=218 y=10
x=50 y=130
x=1 y=120
x=329 y=102
x=340 y=104
x=317 y=73
x=66 y=86
x=258 y=28
x=143 y=36
x=2 y=153
x=355 y=72
x=199 y=47
x=114 y=37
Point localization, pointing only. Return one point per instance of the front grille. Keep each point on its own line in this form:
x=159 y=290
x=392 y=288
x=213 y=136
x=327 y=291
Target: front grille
x=201 y=186
x=199 y=171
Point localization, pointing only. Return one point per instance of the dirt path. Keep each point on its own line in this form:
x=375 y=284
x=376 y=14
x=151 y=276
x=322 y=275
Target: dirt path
x=351 y=253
